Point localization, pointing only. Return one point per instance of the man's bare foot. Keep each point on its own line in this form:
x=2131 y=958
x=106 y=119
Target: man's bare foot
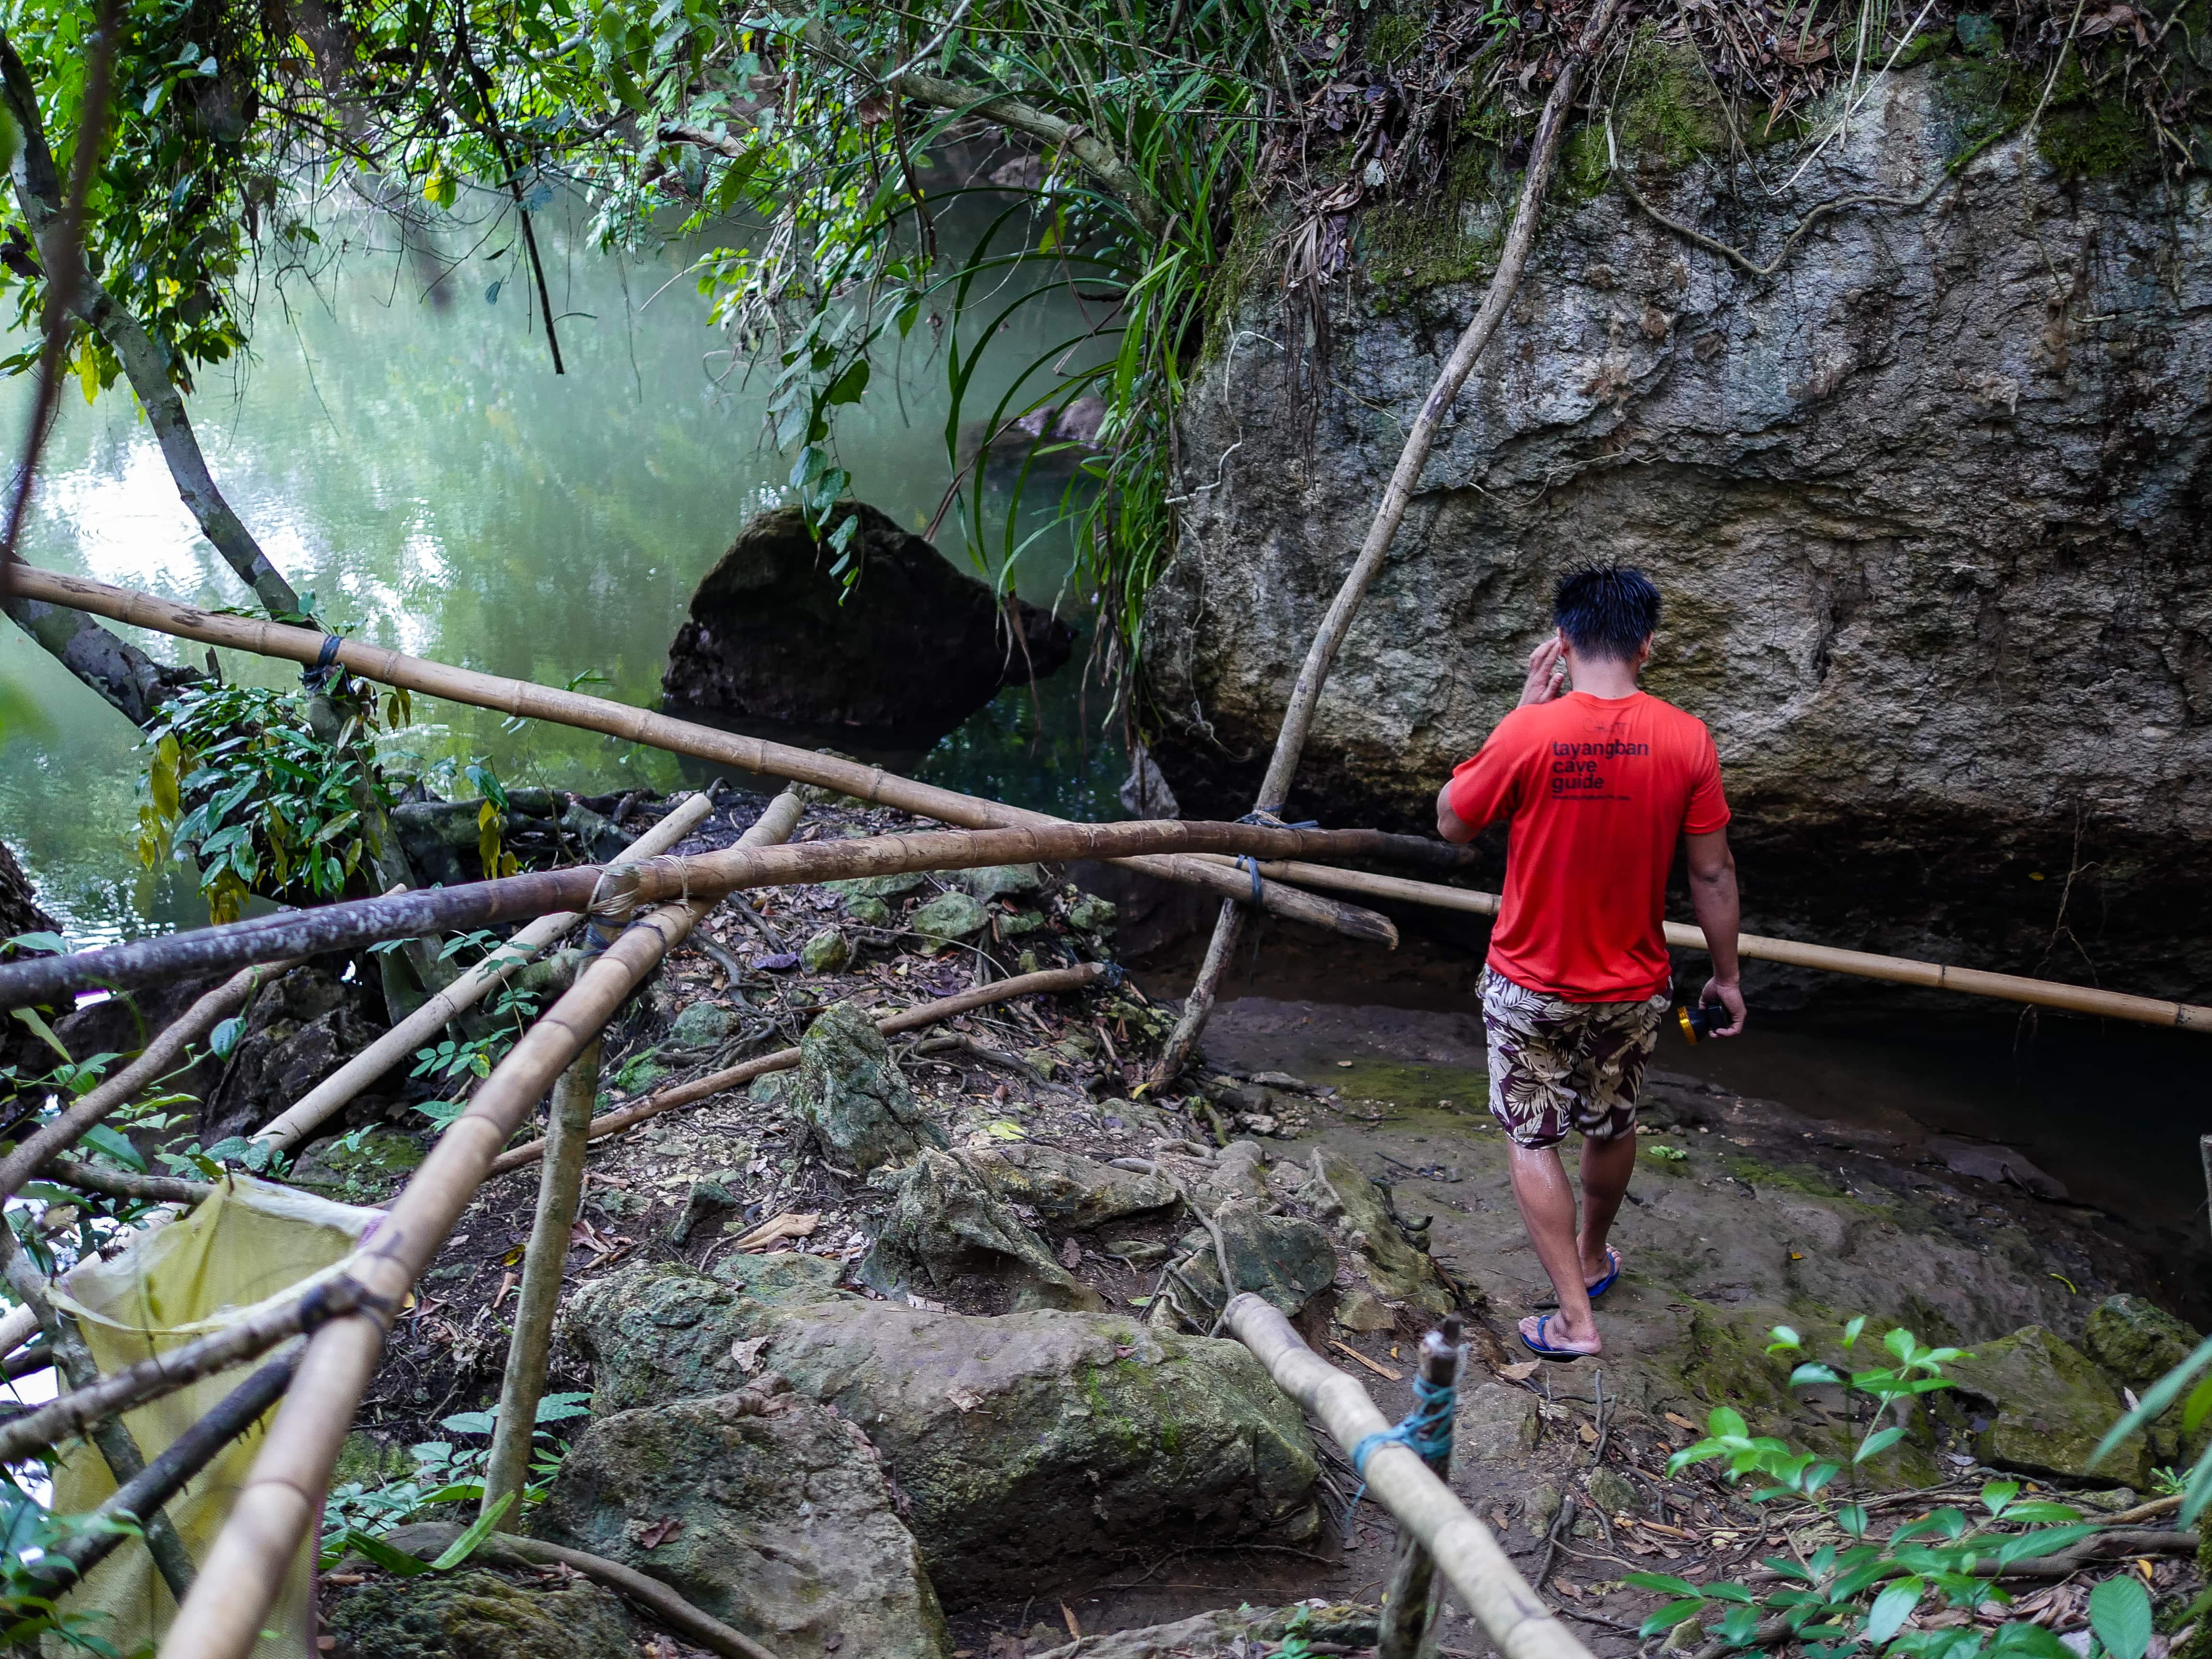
x=1550 y=1332
x=1598 y=1279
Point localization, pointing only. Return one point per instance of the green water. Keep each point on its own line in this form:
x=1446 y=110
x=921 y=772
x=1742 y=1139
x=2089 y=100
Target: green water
x=414 y=463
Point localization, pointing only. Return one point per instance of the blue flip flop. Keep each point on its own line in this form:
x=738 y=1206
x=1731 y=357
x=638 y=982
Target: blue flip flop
x=1606 y=1283
x=1564 y=1355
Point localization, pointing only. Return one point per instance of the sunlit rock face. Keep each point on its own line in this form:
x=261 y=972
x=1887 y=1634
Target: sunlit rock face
x=778 y=643
x=1929 y=507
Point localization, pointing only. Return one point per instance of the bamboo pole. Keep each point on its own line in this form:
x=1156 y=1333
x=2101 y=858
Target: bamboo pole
x=1050 y=981
x=277 y=1506
x=1479 y=1572
x=1794 y=953
x=1404 y=479
x=574 y=1094
x=155 y=1059
x=559 y=1187
x=356 y=922
x=524 y=700
x=329 y=1096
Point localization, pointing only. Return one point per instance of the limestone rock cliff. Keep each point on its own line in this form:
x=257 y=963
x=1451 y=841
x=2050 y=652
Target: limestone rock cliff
x=1931 y=508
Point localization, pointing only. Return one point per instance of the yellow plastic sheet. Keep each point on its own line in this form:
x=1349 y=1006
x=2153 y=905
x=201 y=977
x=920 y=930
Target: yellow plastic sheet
x=249 y=1243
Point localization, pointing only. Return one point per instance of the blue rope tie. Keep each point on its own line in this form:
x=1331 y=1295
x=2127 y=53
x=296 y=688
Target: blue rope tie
x=1426 y=1430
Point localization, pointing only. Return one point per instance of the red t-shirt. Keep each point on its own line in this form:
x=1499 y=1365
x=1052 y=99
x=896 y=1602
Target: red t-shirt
x=1597 y=789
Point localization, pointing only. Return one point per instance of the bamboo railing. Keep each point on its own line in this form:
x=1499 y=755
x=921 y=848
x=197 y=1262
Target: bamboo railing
x=1896 y=970
x=524 y=700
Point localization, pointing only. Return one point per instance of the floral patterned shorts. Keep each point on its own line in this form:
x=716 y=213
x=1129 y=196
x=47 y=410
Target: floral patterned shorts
x=1556 y=1065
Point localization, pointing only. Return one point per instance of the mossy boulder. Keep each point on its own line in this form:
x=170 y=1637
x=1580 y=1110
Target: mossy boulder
x=851 y=1096
x=2046 y=1405
x=1002 y=880
x=1284 y=1260
x=828 y=952
x=1099 y=1434
x=374 y=1167
x=701 y=1025
x=945 y=1226
x=1090 y=914
x=868 y=912
x=1068 y=1188
x=950 y=917
x=479 y=1615
x=879 y=888
x=762 y=1508
x=2139 y=1342
x=1380 y=1250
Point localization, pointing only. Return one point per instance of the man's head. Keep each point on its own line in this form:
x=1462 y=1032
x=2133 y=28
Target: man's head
x=1606 y=613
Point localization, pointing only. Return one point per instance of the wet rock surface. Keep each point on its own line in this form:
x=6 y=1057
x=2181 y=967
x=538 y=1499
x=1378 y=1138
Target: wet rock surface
x=758 y=1506
x=913 y=649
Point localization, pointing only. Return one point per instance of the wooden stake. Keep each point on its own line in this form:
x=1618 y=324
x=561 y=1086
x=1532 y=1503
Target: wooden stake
x=331 y=1096
x=1480 y=1574
x=1321 y=655
x=1862 y=965
x=559 y=1187
x=1406 y=1606
x=527 y=701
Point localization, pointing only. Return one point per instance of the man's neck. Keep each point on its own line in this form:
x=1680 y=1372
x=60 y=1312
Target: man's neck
x=1601 y=676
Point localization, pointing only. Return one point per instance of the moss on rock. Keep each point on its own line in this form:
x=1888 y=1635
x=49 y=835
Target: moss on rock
x=479 y=1615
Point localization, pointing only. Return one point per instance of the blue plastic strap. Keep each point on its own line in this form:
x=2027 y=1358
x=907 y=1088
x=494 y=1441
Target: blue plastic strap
x=1426 y=1430
x=313 y=678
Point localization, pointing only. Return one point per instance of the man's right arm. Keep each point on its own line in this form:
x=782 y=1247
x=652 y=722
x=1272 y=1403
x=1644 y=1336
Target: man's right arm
x=1719 y=911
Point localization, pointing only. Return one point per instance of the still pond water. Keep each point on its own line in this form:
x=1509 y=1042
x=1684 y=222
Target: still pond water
x=413 y=461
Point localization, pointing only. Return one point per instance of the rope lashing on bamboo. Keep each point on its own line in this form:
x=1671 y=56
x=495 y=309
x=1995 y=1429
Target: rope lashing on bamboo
x=318 y=676
x=1426 y=1430
x=1266 y=817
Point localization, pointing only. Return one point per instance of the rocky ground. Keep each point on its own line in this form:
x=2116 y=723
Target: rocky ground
x=904 y=1352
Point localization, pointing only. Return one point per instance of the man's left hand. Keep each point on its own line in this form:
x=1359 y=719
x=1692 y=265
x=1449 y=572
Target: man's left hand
x=1730 y=998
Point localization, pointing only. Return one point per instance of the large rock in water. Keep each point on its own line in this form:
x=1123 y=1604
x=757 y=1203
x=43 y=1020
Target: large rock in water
x=1930 y=513
x=1032 y=1446
x=911 y=651
x=761 y=1507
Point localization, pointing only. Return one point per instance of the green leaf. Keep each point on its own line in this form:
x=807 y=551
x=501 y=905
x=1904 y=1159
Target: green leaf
x=1851 y=1331
x=2036 y=1512
x=1892 y=1608
x=481 y=1529
x=1877 y=1442
x=2119 y=1611
x=1665 y=1582
x=44 y=1032
x=395 y=1561
x=847 y=387
x=117 y=1145
x=1808 y=1375
x=1782 y=1339
x=223 y=1040
x=1667 y=1617
x=49 y=943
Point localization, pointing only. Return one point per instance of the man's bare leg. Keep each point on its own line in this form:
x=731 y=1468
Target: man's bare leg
x=1607 y=1166
x=1547 y=1199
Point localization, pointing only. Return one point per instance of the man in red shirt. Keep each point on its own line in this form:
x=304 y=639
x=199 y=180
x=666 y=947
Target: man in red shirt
x=1597 y=785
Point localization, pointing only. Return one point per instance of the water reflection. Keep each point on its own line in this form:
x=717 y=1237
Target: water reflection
x=421 y=471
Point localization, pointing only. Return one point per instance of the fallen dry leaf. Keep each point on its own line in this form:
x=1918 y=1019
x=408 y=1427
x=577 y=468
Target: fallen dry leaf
x=1071 y=1254
x=745 y=1353
x=652 y=1537
x=1074 y=1629
x=966 y=1399
x=1519 y=1373
x=1588 y=1433
x=507 y=1281
x=1572 y=1592
x=1682 y=1422
x=789 y=1224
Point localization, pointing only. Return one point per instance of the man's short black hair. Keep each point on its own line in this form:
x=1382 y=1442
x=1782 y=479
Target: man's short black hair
x=1605 y=610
